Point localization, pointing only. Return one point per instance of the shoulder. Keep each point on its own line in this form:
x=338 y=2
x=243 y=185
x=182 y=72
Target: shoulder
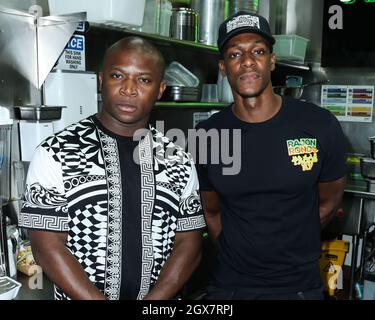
x=170 y=151
x=73 y=131
x=308 y=113
x=72 y=137
x=217 y=120
x=77 y=127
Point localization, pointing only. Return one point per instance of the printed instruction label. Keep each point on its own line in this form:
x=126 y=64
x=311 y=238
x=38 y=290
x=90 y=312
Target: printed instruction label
x=349 y=103
x=73 y=57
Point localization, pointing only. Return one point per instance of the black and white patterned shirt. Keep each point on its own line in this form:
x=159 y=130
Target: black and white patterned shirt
x=74 y=186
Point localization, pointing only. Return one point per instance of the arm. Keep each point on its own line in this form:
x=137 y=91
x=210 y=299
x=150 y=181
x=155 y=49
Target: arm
x=211 y=208
x=330 y=195
x=60 y=265
x=180 y=265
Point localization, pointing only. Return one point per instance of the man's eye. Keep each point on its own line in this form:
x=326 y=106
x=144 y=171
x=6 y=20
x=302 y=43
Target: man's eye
x=116 y=75
x=144 y=80
x=234 y=55
x=258 y=52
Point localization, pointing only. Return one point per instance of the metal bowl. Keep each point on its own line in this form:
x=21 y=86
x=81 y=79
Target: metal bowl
x=181 y=94
x=289 y=91
x=296 y=92
x=38 y=112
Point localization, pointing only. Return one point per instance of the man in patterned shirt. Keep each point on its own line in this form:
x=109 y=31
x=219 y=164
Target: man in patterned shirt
x=112 y=215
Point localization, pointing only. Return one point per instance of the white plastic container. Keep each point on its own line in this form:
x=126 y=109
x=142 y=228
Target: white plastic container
x=290 y=47
x=177 y=75
x=8 y=288
x=127 y=12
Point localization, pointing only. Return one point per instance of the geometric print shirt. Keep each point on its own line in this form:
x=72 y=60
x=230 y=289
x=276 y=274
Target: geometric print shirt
x=74 y=185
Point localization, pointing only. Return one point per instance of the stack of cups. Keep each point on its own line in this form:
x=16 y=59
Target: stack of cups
x=247 y=5
x=151 y=17
x=165 y=17
x=211 y=13
x=224 y=90
x=209 y=92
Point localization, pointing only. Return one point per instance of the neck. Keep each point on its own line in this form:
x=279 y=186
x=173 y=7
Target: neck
x=257 y=109
x=120 y=128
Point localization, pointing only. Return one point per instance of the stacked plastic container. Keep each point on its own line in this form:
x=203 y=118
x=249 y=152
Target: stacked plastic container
x=290 y=47
x=128 y=12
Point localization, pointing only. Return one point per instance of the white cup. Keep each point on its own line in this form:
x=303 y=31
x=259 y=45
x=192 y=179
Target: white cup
x=225 y=91
x=209 y=92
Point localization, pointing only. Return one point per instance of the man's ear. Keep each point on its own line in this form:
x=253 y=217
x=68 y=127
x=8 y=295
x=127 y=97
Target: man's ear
x=273 y=61
x=162 y=87
x=100 y=80
x=222 y=68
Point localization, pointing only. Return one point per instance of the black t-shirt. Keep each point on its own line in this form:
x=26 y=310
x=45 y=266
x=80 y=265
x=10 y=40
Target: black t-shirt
x=270 y=237
x=131 y=216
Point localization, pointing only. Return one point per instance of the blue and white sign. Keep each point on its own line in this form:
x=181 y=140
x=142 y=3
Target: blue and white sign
x=73 y=57
x=81 y=27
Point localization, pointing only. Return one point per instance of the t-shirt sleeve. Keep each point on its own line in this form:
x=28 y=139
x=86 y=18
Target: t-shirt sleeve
x=190 y=208
x=334 y=165
x=204 y=180
x=45 y=204
x=201 y=152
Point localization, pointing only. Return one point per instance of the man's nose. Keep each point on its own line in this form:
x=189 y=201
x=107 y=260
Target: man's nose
x=248 y=60
x=128 y=88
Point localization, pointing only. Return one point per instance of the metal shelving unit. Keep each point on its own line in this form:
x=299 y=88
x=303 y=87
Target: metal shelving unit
x=182 y=43
x=101 y=30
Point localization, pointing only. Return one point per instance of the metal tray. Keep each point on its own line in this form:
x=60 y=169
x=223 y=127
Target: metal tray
x=181 y=94
x=38 y=112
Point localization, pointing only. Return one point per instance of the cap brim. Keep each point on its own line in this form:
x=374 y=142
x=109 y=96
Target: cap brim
x=271 y=40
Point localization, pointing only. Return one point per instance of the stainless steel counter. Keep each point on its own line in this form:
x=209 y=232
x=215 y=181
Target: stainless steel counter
x=359 y=188
x=358 y=213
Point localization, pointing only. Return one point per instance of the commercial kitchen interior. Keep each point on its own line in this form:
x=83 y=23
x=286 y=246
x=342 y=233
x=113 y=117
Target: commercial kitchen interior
x=34 y=65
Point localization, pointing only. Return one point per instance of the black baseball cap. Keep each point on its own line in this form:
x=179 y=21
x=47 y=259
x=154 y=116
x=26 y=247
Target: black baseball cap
x=244 y=22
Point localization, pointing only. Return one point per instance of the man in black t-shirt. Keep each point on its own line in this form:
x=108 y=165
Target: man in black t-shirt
x=266 y=218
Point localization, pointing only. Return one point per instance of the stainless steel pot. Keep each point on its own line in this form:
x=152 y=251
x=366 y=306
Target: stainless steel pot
x=210 y=14
x=295 y=92
x=183 y=24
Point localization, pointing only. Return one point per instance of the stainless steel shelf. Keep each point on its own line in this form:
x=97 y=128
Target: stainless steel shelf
x=171 y=104
x=154 y=37
x=292 y=64
x=103 y=27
